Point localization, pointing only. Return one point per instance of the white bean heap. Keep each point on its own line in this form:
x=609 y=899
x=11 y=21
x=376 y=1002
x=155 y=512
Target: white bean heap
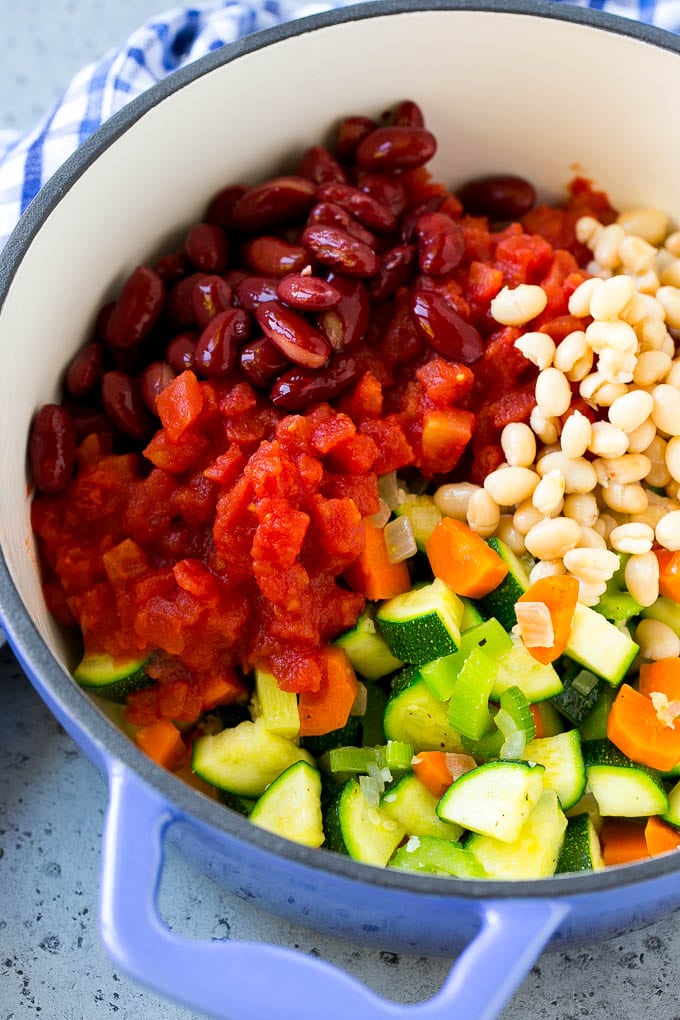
x=574 y=495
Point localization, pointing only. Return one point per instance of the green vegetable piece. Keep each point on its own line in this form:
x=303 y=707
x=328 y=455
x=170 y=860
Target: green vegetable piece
x=581 y=850
x=469 y=705
x=437 y=857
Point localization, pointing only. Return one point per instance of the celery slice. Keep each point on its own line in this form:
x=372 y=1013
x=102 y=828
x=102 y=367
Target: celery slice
x=279 y=709
x=469 y=705
x=395 y=756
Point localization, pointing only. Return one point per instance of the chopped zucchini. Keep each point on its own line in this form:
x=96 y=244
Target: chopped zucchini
x=622 y=788
x=535 y=851
x=111 y=678
x=494 y=799
x=414 y=807
x=422 y=514
x=579 y=696
x=441 y=674
x=422 y=624
x=666 y=610
x=291 y=806
x=355 y=828
x=518 y=668
x=500 y=603
x=472 y=613
x=562 y=760
x=600 y=646
x=279 y=708
x=245 y=760
x=367 y=649
x=672 y=816
x=594 y=726
x=414 y=715
x=581 y=850
x=437 y=856
x=347 y=736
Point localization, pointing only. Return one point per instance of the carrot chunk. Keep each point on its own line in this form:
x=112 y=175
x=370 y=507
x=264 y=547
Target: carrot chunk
x=328 y=708
x=163 y=743
x=560 y=595
x=432 y=771
x=463 y=560
x=635 y=728
x=661 y=837
x=372 y=574
x=622 y=842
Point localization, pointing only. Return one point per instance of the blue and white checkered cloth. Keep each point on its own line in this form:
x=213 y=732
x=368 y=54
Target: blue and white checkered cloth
x=162 y=45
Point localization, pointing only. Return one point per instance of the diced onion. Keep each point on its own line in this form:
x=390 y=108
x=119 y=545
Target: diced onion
x=459 y=764
x=388 y=489
x=382 y=516
x=401 y=544
x=412 y=845
x=584 y=683
x=360 y=702
x=505 y=722
x=535 y=624
x=667 y=711
x=514 y=745
x=371 y=790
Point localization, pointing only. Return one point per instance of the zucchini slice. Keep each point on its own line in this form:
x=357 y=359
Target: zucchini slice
x=291 y=806
x=518 y=668
x=423 y=514
x=494 y=799
x=581 y=850
x=415 y=716
x=414 y=807
x=438 y=857
x=622 y=788
x=367 y=649
x=562 y=759
x=422 y=624
x=500 y=602
x=535 y=851
x=362 y=832
x=111 y=678
x=245 y=760
x=600 y=646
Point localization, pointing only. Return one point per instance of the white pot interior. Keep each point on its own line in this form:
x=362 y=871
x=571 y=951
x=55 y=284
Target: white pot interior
x=502 y=92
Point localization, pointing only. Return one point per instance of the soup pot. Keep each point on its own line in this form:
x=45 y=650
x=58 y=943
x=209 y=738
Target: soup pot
x=531 y=88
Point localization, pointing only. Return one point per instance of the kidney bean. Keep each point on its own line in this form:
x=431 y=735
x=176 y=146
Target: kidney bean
x=332 y=215
x=102 y=320
x=85 y=370
x=280 y=200
x=173 y=267
x=346 y=324
x=387 y=190
x=180 y=309
x=309 y=293
x=255 y=290
x=180 y=352
x=154 y=379
x=137 y=310
x=52 y=448
x=124 y=405
x=319 y=166
x=408 y=223
x=360 y=204
x=206 y=246
x=408 y=114
x=444 y=329
x=441 y=243
x=500 y=197
x=219 y=342
x=395 y=148
x=395 y=268
x=300 y=387
x=234 y=276
x=88 y=420
x=261 y=362
x=292 y=334
x=209 y=296
x=338 y=249
x=350 y=133
x=274 y=257
x=221 y=206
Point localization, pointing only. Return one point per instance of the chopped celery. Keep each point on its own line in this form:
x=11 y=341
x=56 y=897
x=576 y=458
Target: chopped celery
x=469 y=706
x=518 y=709
x=438 y=857
x=395 y=756
x=441 y=674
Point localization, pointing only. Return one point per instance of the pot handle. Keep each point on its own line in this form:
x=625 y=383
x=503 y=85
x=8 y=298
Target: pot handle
x=223 y=979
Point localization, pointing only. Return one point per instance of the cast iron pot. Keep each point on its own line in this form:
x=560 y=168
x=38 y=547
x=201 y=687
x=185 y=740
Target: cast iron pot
x=531 y=88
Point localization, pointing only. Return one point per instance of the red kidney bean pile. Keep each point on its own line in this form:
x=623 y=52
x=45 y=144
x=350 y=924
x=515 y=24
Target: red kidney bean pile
x=282 y=284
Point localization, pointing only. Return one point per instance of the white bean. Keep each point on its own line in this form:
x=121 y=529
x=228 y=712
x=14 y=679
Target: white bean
x=668 y=531
x=579 y=302
x=538 y=348
x=640 y=438
x=669 y=297
x=607 y=244
x=591 y=539
x=609 y=300
x=547 y=429
x=546 y=568
x=453 y=498
x=589 y=592
x=632 y=538
x=631 y=467
x=553 y=392
x=509 y=534
x=672 y=458
x=631 y=410
x=483 y=513
x=525 y=516
x=548 y=495
x=614 y=333
x=615 y=367
x=666 y=412
x=511 y=485
x=642 y=578
x=576 y=435
x=606 y=440
x=646 y=222
x=570 y=351
x=626 y=499
x=637 y=255
x=513 y=306
x=578 y=473
x=657 y=640
x=519 y=444
x=591 y=564
x=659 y=474
x=551 y=538
x=651 y=367
x=581 y=507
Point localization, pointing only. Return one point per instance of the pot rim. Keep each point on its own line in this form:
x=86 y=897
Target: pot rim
x=34 y=653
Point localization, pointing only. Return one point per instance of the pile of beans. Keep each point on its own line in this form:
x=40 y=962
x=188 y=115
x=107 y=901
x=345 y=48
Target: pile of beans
x=577 y=488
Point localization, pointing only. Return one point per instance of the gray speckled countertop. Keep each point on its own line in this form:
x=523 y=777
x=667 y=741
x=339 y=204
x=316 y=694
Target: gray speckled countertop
x=52 y=803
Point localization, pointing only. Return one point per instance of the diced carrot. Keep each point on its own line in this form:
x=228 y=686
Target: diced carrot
x=669 y=573
x=661 y=837
x=328 y=709
x=622 y=841
x=463 y=560
x=163 y=743
x=220 y=689
x=662 y=675
x=560 y=595
x=372 y=574
x=432 y=771
x=635 y=728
